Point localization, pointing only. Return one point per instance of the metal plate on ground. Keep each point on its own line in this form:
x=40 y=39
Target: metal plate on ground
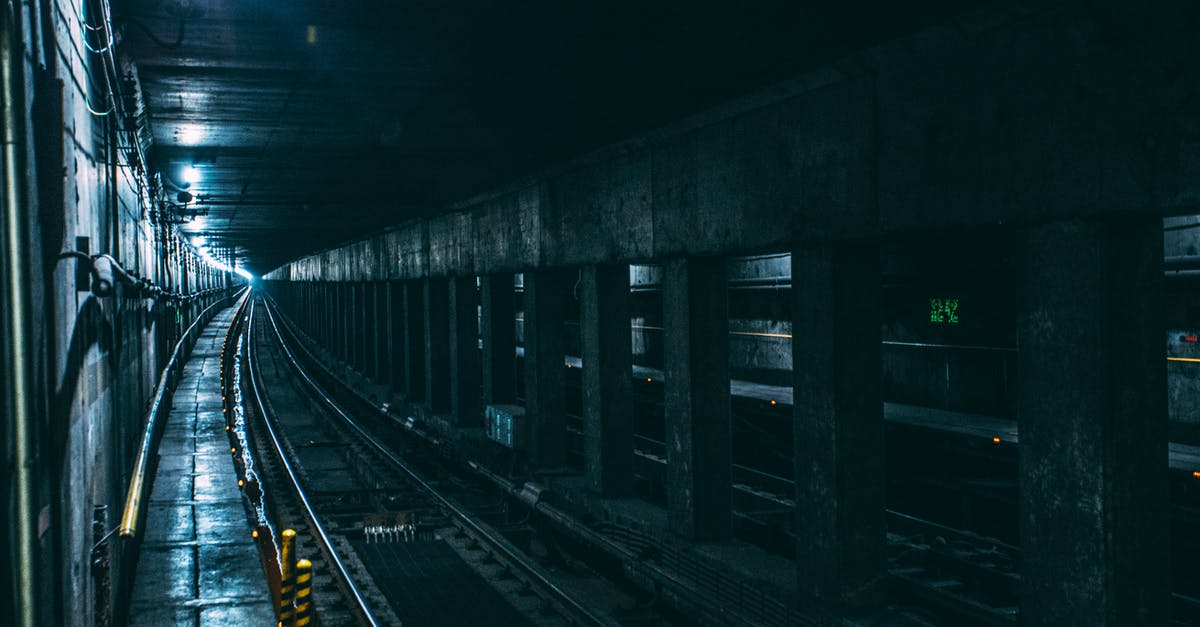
x=426 y=583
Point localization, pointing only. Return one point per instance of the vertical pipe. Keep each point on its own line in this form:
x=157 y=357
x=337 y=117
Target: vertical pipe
x=17 y=283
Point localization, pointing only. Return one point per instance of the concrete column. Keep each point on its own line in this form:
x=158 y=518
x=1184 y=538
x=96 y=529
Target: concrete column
x=396 y=316
x=307 y=311
x=437 y=345
x=838 y=425
x=545 y=380
x=607 y=386
x=498 y=303
x=322 y=321
x=366 y=331
x=699 y=454
x=1093 y=424
x=414 y=340
x=374 y=350
x=383 y=342
x=354 y=313
x=465 y=367
x=344 y=321
x=328 y=316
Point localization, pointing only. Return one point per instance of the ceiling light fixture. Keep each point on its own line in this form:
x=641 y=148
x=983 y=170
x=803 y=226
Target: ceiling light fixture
x=191 y=134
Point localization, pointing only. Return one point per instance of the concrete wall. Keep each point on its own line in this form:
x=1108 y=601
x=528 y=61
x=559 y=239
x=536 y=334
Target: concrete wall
x=97 y=359
x=997 y=119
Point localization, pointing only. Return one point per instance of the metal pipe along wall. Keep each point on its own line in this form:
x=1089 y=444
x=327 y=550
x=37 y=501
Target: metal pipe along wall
x=17 y=283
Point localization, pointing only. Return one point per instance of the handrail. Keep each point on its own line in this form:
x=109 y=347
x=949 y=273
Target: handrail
x=318 y=530
x=137 y=482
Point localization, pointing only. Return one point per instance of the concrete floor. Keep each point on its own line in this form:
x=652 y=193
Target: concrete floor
x=198 y=564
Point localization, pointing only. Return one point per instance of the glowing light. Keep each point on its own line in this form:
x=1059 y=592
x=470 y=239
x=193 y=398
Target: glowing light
x=649 y=380
x=996 y=440
x=1196 y=474
x=244 y=273
x=190 y=175
x=191 y=134
x=233 y=450
x=310 y=34
x=241 y=483
x=199 y=242
x=943 y=310
x=253 y=532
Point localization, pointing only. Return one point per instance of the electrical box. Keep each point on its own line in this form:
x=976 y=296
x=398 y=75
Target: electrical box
x=505 y=425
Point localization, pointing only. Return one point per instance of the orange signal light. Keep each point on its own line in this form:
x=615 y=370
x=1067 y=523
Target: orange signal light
x=996 y=440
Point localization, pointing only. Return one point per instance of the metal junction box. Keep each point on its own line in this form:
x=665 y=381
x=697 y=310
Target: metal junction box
x=505 y=425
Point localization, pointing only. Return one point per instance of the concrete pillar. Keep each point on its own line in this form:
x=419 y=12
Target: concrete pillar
x=838 y=425
x=306 y=314
x=465 y=367
x=498 y=303
x=366 y=331
x=379 y=334
x=699 y=454
x=396 y=316
x=1093 y=424
x=328 y=318
x=437 y=345
x=378 y=331
x=354 y=342
x=344 y=319
x=545 y=405
x=414 y=340
x=607 y=386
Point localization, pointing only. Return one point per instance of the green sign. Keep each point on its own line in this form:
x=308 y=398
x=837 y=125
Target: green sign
x=943 y=310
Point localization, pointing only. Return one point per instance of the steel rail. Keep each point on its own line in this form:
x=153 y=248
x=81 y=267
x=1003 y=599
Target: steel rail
x=581 y=613
x=318 y=531
x=137 y=482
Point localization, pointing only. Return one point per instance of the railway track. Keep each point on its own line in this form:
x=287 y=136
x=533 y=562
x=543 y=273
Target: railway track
x=940 y=574
x=356 y=496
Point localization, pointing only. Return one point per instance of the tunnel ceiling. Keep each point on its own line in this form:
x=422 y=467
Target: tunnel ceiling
x=311 y=122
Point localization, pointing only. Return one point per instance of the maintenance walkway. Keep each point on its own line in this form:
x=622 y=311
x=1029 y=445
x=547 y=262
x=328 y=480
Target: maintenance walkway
x=198 y=564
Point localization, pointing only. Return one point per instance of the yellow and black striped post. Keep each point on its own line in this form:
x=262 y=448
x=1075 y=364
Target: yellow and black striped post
x=287 y=581
x=304 y=608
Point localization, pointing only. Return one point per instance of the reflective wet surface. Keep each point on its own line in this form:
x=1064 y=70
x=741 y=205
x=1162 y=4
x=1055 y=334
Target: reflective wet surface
x=198 y=564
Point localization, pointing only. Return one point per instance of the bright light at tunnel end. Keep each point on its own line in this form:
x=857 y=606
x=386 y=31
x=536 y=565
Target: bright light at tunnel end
x=190 y=175
x=208 y=258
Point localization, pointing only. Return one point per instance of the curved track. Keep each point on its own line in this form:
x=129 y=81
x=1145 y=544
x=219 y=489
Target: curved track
x=368 y=504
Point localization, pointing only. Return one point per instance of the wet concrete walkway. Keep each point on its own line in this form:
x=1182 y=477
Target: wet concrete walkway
x=198 y=564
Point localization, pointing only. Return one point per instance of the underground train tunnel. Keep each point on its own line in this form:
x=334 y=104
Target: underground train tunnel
x=629 y=313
